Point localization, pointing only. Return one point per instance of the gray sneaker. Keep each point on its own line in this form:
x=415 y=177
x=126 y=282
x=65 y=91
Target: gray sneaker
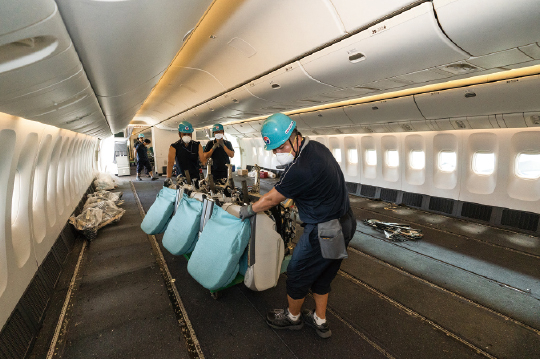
x=154 y=178
x=138 y=178
x=279 y=319
x=322 y=330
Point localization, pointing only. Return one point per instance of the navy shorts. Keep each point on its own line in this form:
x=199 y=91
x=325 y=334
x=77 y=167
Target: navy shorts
x=308 y=269
x=143 y=164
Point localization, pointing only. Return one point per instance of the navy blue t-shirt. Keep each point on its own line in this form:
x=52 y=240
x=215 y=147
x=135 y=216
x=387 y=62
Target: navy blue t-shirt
x=219 y=156
x=142 y=151
x=315 y=182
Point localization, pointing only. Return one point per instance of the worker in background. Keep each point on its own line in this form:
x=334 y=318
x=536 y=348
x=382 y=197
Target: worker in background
x=313 y=179
x=186 y=153
x=141 y=156
x=220 y=150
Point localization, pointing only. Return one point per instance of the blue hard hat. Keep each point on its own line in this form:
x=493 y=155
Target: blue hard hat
x=185 y=127
x=276 y=130
x=141 y=135
x=217 y=127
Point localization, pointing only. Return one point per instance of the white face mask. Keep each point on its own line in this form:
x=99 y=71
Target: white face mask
x=186 y=139
x=219 y=136
x=284 y=158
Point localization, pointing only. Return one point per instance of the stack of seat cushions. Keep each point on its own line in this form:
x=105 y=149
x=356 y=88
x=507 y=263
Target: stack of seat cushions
x=183 y=229
x=159 y=214
x=214 y=262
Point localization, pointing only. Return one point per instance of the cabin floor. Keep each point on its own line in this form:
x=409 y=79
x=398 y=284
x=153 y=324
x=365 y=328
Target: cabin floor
x=465 y=290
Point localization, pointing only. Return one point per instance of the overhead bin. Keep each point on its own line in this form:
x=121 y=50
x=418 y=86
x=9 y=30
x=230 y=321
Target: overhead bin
x=13 y=19
x=359 y=13
x=491 y=25
x=288 y=85
x=507 y=96
x=392 y=110
x=326 y=118
x=409 y=42
x=250 y=37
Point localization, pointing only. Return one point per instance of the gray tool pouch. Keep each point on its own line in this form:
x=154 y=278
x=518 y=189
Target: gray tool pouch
x=331 y=240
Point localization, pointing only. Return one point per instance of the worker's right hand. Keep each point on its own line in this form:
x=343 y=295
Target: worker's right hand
x=167 y=182
x=216 y=145
x=246 y=211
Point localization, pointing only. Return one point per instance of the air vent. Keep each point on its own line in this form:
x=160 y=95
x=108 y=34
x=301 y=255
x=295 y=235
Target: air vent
x=441 y=204
x=470 y=95
x=535 y=119
x=352 y=188
x=389 y=195
x=460 y=124
x=374 y=108
x=407 y=127
x=520 y=219
x=357 y=57
x=16 y=337
x=51 y=269
x=368 y=191
x=411 y=199
x=476 y=211
x=35 y=299
x=276 y=86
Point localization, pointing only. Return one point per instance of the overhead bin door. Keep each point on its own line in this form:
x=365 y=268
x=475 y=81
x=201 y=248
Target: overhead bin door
x=406 y=43
x=486 y=26
x=508 y=96
x=327 y=118
x=400 y=109
x=359 y=13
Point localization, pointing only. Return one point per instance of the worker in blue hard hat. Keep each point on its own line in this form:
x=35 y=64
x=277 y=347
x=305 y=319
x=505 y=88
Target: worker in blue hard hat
x=186 y=153
x=220 y=150
x=314 y=180
x=141 y=157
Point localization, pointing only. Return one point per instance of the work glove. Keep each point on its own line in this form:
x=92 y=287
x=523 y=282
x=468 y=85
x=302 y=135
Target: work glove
x=246 y=211
x=216 y=145
x=220 y=142
x=167 y=182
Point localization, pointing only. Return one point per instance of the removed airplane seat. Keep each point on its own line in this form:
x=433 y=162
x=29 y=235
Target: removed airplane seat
x=159 y=214
x=182 y=232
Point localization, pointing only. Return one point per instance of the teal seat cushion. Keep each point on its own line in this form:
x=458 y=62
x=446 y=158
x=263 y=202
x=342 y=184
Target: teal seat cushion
x=214 y=262
x=159 y=214
x=183 y=229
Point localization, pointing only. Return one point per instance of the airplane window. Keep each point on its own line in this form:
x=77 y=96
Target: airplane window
x=371 y=157
x=447 y=161
x=484 y=163
x=417 y=160
x=352 y=154
x=254 y=151
x=528 y=166
x=392 y=158
x=337 y=154
x=15 y=198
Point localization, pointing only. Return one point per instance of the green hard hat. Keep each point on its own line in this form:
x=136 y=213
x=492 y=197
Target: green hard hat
x=185 y=127
x=276 y=130
x=217 y=127
x=141 y=135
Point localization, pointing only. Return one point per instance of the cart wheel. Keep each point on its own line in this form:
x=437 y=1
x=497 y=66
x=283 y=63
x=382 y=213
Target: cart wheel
x=215 y=295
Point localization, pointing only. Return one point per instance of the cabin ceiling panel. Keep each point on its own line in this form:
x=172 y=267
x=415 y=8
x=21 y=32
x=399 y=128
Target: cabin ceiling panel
x=359 y=13
x=142 y=38
x=41 y=76
x=508 y=96
x=500 y=59
x=371 y=55
x=492 y=25
x=392 y=110
x=239 y=40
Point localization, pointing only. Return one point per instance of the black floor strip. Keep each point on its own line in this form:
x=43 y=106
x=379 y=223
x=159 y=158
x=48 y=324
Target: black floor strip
x=193 y=346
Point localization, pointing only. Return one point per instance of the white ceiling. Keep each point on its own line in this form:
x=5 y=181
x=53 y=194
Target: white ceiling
x=94 y=66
